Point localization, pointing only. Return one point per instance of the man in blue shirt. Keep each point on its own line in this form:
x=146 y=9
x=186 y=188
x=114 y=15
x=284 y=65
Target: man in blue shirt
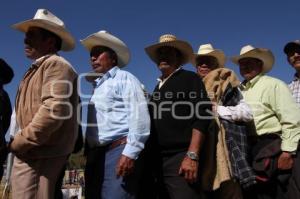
x=118 y=120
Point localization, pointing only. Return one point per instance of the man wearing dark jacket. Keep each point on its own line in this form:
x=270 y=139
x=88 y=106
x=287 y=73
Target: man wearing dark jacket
x=179 y=118
x=6 y=75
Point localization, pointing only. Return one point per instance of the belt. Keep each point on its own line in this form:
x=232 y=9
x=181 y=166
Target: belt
x=117 y=143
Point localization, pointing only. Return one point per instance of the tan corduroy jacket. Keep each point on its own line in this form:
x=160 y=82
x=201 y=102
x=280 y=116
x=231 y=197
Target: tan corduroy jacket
x=219 y=169
x=46 y=110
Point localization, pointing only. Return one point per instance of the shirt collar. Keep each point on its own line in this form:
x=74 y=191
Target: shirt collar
x=40 y=60
x=111 y=73
x=160 y=78
x=296 y=78
x=251 y=83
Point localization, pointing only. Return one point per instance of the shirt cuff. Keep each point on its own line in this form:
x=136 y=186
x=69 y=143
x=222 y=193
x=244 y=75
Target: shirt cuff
x=202 y=125
x=131 y=151
x=223 y=111
x=290 y=140
x=289 y=146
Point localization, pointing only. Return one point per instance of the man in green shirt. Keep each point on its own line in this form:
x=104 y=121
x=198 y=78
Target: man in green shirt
x=276 y=116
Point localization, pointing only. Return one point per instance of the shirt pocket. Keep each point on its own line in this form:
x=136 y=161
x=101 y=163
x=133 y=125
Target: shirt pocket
x=104 y=104
x=107 y=100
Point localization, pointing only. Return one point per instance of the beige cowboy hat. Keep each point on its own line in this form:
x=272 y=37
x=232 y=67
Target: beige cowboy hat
x=208 y=50
x=103 y=38
x=170 y=40
x=263 y=54
x=46 y=20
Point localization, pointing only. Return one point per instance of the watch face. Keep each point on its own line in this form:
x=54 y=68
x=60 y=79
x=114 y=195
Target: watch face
x=192 y=155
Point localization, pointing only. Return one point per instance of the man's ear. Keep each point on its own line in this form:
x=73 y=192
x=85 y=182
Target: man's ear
x=51 y=42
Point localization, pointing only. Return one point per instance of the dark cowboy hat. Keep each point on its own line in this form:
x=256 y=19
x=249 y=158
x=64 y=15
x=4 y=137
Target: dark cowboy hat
x=291 y=46
x=6 y=72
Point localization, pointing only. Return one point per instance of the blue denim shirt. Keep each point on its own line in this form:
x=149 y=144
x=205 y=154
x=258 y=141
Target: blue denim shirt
x=119 y=108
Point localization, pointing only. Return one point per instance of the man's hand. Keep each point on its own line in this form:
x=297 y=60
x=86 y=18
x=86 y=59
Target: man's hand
x=189 y=170
x=125 y=166
x=214 y=107
x=285 y=161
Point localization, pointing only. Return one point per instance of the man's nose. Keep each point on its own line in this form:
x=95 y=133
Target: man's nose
x=93 y=58
x=26 y=40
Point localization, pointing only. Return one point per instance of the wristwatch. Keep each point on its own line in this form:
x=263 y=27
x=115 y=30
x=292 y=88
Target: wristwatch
x=293 y=153
x=192 y=155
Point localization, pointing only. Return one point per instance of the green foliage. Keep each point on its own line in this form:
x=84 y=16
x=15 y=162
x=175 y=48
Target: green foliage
x=76 y=161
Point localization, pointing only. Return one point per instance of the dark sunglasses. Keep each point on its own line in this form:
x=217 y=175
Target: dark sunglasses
x=292 y=52
x=207 y=60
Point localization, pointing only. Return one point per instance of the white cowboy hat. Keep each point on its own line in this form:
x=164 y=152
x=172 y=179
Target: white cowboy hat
x=46 y=20
x=170 y=40
x=263 y=54
x=103 y=38
x=208 y=50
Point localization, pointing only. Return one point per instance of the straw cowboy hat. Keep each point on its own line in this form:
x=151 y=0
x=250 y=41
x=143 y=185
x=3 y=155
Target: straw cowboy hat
x=291 y=46
x=208 y=50
x=46 y=20
x=263 y=54
x=170 y=40
x=103 y=38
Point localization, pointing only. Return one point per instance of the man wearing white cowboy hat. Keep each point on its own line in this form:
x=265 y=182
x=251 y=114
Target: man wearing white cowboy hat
x=209 y=59
x=276 y=117
x=292 y=51
x=46 y=105
x=118 y=119
x=177 y=104
x=222 y=87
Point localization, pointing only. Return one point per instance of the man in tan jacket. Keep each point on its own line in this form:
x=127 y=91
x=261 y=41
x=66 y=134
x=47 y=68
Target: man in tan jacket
x=45 y=108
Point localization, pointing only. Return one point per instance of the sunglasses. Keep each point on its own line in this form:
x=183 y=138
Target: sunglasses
x=292 y=52
x=208 y=61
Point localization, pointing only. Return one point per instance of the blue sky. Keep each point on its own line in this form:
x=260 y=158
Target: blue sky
x=228 y=25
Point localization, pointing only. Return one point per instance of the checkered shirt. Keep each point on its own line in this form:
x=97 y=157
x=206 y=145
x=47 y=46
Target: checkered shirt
x=295 y=88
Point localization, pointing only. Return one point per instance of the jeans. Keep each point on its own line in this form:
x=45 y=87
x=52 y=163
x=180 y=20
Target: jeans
x=101 y=178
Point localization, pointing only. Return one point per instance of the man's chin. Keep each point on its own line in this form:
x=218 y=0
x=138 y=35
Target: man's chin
x=297 y=65
x=203 y=74
x=163 y=66
x=98 y=70
x=29 y=55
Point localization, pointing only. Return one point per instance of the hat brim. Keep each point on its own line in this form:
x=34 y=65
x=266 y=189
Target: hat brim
x=104 y=39
x=265 y=55
x=182 y=46
x=218 y=54
x=291 y=46
x=68 y=42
